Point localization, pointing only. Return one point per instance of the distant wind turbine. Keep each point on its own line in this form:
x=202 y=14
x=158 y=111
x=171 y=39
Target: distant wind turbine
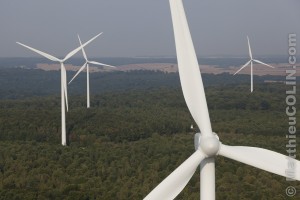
x=251 y=62
x=86 y=64
x=64 y=92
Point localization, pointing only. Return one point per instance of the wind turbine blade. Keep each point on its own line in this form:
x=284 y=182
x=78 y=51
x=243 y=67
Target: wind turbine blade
x=102 y=64
x=40 y=52
x=245 y=65
x=263 y=63
x=250 y=52
x=189 y=72
x=171 y=186
x=261 y=158
x=83 y=51
x=65 y=85
x=83 y=66
x=78 y=49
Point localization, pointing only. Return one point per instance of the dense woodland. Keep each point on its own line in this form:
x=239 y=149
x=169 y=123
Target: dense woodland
x=17 y=83
x=136 y=133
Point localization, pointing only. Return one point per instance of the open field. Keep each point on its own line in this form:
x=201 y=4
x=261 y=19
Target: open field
x=259 y=69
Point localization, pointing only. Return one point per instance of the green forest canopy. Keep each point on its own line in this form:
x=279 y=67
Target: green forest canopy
x=132 y=138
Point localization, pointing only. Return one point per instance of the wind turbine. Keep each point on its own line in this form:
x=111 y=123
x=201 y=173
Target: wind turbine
x=251 y=63
x=86 y=64
x=207 y=144
x=64 y=92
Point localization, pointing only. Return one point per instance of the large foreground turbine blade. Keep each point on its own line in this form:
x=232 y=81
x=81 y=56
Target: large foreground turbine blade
x=40 y=52
x=171 y=186
x=78 y=49
x=250 y=52
x=245 y=65
x=263 y=63
x=83 y=66
x=83 y=51
x=262 y=158
x=102 y=64
x=189 y=72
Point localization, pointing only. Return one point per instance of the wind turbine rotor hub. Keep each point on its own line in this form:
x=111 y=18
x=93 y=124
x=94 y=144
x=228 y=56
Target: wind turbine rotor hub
x=210 y=145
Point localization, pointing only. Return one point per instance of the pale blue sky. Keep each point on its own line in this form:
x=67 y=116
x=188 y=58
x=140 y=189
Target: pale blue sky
x=143 y=28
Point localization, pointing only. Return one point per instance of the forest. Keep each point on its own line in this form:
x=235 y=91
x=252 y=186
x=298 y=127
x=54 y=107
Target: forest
x=136 y=133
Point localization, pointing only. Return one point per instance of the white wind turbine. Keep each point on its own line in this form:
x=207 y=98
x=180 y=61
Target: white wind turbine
x=251 y=64
x=64 y=92
x=207 y=143
x=86 y=64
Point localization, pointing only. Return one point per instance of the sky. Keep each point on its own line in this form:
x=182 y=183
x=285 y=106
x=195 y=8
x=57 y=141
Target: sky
x=133 y=28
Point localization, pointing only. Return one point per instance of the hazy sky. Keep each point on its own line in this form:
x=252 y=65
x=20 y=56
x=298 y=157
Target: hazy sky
x=143 y=27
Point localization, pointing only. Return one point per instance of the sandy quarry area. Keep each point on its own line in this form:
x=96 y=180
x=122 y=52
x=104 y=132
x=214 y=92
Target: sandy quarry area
x=279 y=69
